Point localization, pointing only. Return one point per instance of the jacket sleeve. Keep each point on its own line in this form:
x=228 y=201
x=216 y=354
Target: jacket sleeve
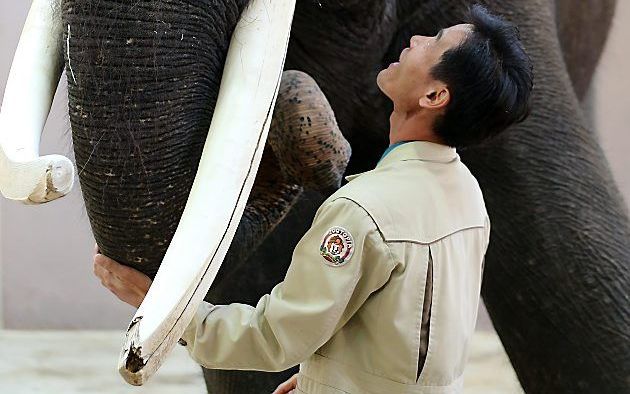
x=316 y=298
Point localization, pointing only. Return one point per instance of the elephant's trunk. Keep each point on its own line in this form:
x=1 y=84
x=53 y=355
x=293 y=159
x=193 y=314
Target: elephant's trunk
x=143 y=80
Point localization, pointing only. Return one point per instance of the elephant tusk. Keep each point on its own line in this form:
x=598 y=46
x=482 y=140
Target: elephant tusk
x=226 y=173
x=33 y=79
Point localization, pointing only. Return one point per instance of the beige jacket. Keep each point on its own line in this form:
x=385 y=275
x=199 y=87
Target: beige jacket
x=393 y=260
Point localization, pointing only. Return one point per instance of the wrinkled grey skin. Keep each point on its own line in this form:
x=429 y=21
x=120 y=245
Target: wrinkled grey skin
x=557 y=269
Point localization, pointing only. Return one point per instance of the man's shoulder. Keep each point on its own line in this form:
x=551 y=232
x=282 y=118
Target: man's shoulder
x=384 y=185
x=373 y=192
x=361 y=192
x=416 y=202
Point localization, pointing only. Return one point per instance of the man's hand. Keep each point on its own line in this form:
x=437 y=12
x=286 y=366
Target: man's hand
x=287 y=387
x=128 y=284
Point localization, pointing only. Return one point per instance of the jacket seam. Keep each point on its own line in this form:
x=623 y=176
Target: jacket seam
x=398 y=240
x=387 y=239
x=322 y=383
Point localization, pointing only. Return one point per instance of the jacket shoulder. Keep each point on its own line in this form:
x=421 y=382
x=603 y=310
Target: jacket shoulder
x=418 y=201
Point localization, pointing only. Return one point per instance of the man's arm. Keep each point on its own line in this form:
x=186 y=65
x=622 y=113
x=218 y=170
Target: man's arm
x=302 y=313
x=316 y=298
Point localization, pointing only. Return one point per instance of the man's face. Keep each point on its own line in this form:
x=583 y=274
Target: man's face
x=409 y=79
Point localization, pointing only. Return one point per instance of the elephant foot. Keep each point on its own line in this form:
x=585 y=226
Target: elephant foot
x=244 y=382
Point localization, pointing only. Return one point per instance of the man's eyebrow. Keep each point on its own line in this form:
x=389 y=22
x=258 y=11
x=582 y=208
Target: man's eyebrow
x=439 y=35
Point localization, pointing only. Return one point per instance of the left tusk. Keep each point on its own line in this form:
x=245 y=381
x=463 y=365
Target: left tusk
x=226 y=173
x=34 y=76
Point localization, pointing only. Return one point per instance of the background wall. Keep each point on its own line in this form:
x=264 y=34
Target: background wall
x=46 y=278
x=46 y=255
x=610 y=99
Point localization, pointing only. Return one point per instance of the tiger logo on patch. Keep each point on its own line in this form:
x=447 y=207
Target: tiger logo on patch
x=337 y=246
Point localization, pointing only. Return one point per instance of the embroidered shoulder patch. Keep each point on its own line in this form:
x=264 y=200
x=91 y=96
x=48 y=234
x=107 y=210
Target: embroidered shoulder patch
x=337 y=246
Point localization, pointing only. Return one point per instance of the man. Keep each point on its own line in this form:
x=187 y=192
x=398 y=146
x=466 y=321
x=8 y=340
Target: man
x=382 y=293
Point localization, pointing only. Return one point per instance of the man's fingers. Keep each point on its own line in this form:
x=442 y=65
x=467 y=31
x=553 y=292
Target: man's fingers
x=128 y=284
x=124 y=273
x=126 y=296
x=113 y=283
x=111 y=280
x=100 y=272
x=288 y=386
x=101 y=261
x=107 y=263
x=124 y=293
x=131 y=299
x=283 y=389
x=118 y=285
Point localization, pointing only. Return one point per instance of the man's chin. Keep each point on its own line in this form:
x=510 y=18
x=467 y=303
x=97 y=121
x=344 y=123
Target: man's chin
x=381 y=79
x=383 y=76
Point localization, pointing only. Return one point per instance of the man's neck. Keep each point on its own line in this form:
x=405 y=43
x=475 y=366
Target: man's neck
x=405 y=126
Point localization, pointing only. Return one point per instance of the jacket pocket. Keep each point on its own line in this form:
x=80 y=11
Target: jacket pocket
x=426 y=317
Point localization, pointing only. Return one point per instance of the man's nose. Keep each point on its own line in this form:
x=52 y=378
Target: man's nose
x=416 y=40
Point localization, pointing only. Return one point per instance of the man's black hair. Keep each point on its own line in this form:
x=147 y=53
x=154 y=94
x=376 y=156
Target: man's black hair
x=490 y=78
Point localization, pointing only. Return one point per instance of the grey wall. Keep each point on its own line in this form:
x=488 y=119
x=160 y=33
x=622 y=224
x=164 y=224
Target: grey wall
x=46 y=253
x=610 y=91
x=46 y=276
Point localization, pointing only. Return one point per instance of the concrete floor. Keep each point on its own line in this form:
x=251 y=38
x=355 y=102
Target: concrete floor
x=84 y=362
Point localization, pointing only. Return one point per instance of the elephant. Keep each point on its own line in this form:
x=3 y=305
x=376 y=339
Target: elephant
x=143 y=82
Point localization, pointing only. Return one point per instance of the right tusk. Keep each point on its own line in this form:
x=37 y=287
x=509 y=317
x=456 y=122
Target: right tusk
x=33 y=79
x=227 y=169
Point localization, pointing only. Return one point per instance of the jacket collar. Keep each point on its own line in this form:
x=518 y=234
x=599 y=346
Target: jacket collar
x=416 y=150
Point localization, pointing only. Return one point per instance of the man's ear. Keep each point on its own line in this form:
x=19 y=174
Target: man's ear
x=435 y=98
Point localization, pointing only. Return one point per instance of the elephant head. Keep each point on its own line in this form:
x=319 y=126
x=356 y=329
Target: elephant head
x=166 y=138
x=143 y=82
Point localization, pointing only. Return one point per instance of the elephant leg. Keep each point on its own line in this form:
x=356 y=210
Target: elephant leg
x=582 y=48
x=244 y=382
x=557 y=269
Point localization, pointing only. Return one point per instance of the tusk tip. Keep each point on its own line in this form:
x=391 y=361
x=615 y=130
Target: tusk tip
x=133 y=378
x=56 y=182
x=35 y=181
x=131 y=362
